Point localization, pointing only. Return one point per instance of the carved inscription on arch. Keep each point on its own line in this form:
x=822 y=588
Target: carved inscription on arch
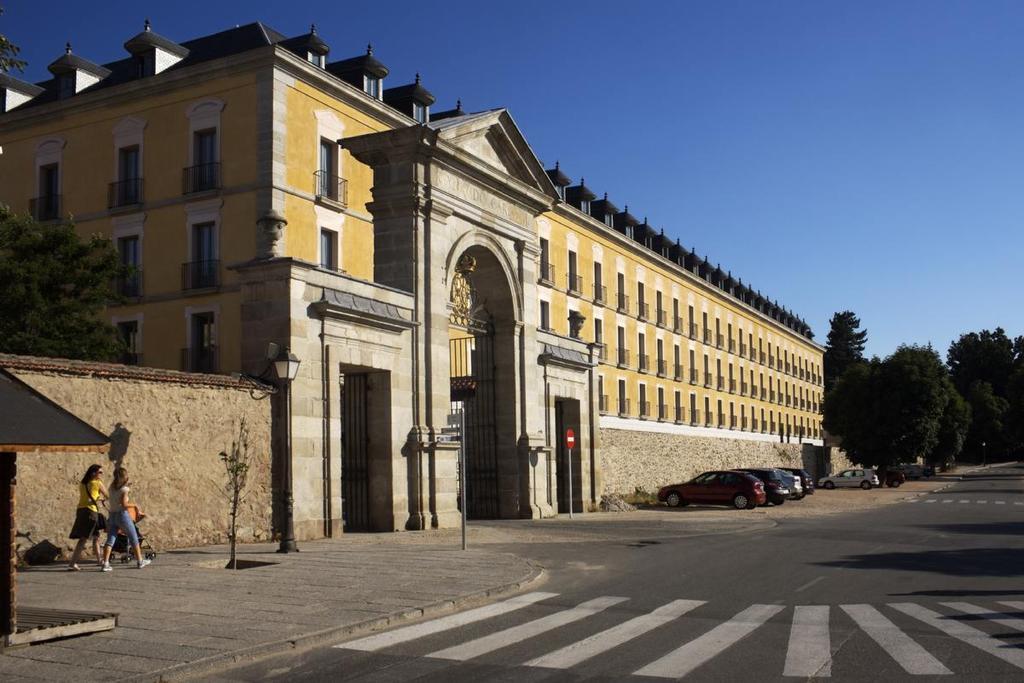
x=475 y=194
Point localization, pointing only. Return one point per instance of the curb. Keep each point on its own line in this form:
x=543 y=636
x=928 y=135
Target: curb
x=253 y=653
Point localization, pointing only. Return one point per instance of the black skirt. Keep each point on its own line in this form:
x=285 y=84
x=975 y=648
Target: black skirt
x=86 y=524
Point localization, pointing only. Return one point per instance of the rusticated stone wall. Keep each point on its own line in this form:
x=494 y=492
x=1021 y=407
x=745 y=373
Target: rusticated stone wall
x=649 y=460
x=168 y=429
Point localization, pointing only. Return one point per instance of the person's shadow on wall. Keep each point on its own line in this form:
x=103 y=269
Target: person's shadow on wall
x=119 y=439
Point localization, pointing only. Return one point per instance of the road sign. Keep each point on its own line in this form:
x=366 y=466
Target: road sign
x=570 y=438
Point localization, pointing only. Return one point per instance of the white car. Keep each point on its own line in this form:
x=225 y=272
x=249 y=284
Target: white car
x=864 y=478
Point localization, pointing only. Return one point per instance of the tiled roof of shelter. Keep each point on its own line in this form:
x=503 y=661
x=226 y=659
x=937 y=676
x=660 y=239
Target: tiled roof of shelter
x=114 y=371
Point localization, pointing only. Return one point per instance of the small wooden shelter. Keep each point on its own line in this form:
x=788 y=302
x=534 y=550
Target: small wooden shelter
x=32 y=423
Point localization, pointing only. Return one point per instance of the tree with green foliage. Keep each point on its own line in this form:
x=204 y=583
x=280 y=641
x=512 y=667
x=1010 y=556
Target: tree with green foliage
x=986 y=356
x=844 y=347
x=53 y=287
x=987 y=435
x=895 y=410
x=953 y=426
x=9 y=54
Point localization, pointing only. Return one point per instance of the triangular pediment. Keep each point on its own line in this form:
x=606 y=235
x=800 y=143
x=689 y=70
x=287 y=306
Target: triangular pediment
x=493 y=138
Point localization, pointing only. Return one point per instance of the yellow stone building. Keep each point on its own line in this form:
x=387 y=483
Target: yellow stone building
x=420 y=263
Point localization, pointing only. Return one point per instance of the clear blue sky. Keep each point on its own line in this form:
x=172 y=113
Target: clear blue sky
x=858 y=155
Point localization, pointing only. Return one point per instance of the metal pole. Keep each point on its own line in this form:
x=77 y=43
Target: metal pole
x=288 y=533
x=462 y=471
x=570 y=482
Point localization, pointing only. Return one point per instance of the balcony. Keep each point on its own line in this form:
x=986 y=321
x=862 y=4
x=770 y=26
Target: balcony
x=662 y=368
x=547 y=273
x=721 y=420
x=732 y=386
x=330 y=188
x=662 y=412
x=743 y=389
x=771 y=361
x=574 y=284
x=761 y=357
x=694 y=375
x=772 y=429
x=694 y=416
x=124 y=193
x=678 y=376
x=662 y=318
x=743 y=349
x=743 y=423
x=200 y=178
x=772 y=399
x=645 y=409
x=708 y=380
x=732 y=346
x=679 y=415
x=709 y=420
x=694 y=330
x=200 y=274
x=129 y=285
x=643 y=311
x=764 y=393
x=602 y=352
x=623 y=407
x=623 y=358
x=600 y=294
x=803 y=406
x=789 y=369
x=677 y=325
x=721 y=383
x=46 y=208
x=643 y=361
x=602 y=404
x=203 y=359
x=622 y=303
x=707 y=336
x=753 y=354
x=719 y=341
x=753 y=424
x=788 y=401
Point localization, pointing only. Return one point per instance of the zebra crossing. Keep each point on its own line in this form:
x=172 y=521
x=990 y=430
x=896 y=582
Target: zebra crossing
x=962 y=501
x=809 y=652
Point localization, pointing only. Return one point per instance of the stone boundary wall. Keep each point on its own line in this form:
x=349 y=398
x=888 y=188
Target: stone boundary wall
x=168 y=428
x=648 y=460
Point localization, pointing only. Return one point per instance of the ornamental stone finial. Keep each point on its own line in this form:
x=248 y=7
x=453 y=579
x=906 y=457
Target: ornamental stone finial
x=576 y=320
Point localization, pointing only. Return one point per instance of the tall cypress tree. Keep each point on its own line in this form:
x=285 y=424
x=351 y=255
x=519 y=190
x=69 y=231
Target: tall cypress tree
x=845 y=346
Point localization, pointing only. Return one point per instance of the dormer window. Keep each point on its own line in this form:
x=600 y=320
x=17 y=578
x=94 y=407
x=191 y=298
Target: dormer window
x=609 y=220
x=316 y=60
x=561 y=192
x=66 y=85
x=146 y=63
x=420 y=112
x=585 y=206
x=371 y=86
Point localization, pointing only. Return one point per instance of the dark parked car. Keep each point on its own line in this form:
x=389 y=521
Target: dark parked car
x=738 y=489
x=805 y=478
x=892 y=478
x=775 y=487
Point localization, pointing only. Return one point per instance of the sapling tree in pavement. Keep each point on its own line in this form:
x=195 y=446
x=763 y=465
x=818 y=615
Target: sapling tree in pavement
x=236 y=464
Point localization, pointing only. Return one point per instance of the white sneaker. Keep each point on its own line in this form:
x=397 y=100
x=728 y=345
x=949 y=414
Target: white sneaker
x=106 y=567
x=143 y=563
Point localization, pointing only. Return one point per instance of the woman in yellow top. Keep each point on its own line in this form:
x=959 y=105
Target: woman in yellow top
x=88 y=520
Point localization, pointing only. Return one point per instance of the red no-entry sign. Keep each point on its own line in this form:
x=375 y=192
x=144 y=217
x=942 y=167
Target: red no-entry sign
x=570 y=438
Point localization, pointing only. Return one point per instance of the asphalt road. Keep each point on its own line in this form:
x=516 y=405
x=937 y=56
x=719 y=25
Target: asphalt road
x=929 y=588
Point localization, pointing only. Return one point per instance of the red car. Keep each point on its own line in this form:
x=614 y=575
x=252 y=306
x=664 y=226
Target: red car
x=738 y=489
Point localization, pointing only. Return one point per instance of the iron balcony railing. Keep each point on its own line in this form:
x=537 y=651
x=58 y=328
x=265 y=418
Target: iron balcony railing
x=708 y=380
x=129 y=285
x=679 y=414
x=764 y=393
x=788 y=401
x=743 y=388
x=743 y=349
x=200 y=274
x=662 y=411
x=677 y=325
x=694 y=416
x=772 y=399
x=694 y=329
x=622 y=303
x=721 y=383
x=602 y=403
x=771 y=361
x=200 y=178
x=642 y=362
x=547 y=272
x=602 y=352
x=707 y=336
x=732 y=346
x=772 y=428
x=645 y=409
x=331 y=187
x=743 y=423
x=694 y=375
x=202 y=359
x=721 y=420
x=46 y=208
x=643 y=310
x=732 y=386
x=600 y=294
x=623 y=358
x=720 y=340
x=753 y=424
x=662 y=368
x=662 y=318
x=709 y=420
x=623 y=406
x=678 y=375
x=124 y=193
x=574 y=283
x=761 y=359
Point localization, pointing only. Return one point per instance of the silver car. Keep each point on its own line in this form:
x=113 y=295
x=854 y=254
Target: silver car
x=864 y=478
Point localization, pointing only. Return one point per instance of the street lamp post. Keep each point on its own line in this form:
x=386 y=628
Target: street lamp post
x=984 y=454
x=286 y=366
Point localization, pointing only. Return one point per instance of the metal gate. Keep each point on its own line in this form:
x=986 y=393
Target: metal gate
x=472 y=391
x=355 y=482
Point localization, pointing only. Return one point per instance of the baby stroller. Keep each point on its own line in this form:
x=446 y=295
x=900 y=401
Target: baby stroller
x=121 y=541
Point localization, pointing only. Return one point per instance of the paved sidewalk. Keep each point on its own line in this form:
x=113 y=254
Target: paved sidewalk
x=185 y=614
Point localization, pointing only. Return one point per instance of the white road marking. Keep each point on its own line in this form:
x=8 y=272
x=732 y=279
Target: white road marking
x=809 y=584
x=948 y=500
x=809 y=653
x=964 y=501
x=510 y=636
x=981 y=502
x=685 y=659
x=1018 y=503
x=1000 y=502
x=902 y=648
x=402 y=635
x=580 y=651
x=913 y=500
x=1001 y=618
x=965 y=633
x=1012 y=604
x=931 y=500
